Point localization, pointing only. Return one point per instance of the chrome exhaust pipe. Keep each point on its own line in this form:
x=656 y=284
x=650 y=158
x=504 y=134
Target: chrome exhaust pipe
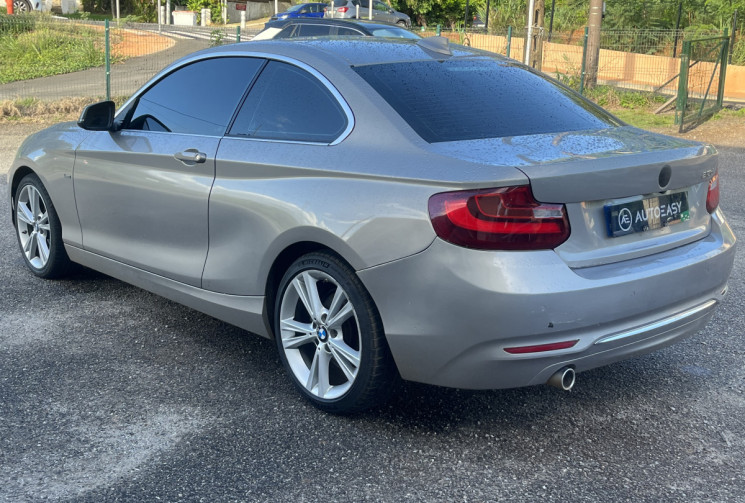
x=563 y=379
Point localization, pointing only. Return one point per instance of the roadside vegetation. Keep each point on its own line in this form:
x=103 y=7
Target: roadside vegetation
x=642 y=20
x=30 y=49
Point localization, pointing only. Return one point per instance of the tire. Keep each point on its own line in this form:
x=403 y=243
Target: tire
x=402 y=24
x=38 y=230
x=22 y=6
x=330 y=337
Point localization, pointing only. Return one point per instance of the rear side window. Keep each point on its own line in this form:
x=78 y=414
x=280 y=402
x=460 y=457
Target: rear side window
x=468 y=99
x=395 y=33
x=287 y=32
x=312 y=30
x=348 y=32
x=287 y=103
x=199 y=98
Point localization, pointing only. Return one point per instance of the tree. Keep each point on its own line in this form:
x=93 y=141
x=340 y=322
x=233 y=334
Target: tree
x=447 y=12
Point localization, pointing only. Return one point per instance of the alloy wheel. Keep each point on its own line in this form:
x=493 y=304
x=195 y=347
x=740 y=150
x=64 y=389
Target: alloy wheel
x=21 y=6
x=320 y=334
x=32 y=224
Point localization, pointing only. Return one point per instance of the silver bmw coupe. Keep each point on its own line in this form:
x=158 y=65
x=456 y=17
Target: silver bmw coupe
x=385 y=208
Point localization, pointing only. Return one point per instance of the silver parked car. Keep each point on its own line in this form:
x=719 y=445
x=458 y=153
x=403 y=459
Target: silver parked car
x=384 y=208
x=346 y=9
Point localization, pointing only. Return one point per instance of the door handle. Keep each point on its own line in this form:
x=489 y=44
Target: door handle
x=191 y=156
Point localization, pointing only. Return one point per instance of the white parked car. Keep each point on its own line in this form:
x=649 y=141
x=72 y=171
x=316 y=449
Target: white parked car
x=23 y=6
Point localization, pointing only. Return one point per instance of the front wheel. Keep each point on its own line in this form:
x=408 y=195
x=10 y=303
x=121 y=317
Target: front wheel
x=38 y=229
x=22 y=6
x=330 y=336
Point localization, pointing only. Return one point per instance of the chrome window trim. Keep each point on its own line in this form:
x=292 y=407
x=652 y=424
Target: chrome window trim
x=123 y=131
x=274 y=57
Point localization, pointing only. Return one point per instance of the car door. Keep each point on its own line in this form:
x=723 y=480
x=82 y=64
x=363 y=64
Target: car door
x=381 y=12
x=265 y=172
x=142 y=192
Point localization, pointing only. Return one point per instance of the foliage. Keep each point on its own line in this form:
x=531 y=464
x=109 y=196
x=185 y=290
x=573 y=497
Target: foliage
x=140 y=8
x=49 y=50
x=424 y=12
x=738 y=52
x=213 y=5
x=87 y=16
x=146 y=11
x=16 y=24
x=572 y=14
x=216 y=37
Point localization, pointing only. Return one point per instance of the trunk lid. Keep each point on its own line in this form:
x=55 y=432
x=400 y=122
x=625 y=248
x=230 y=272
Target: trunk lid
x=597 y=174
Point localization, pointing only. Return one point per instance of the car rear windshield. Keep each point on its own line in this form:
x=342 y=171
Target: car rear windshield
x=468 y=99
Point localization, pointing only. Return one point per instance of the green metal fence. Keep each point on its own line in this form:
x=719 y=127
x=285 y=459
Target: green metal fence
x=643 y=60
x=52 y=59
x=703 y=68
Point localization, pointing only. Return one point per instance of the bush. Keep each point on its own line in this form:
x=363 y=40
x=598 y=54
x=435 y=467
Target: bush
x=738 y=52
x=16 y=24
x=49 y=50
x=213 y=5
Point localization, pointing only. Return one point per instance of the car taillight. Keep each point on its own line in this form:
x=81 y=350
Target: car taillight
x=342 y=9
x=506 y=218
x=712 y=197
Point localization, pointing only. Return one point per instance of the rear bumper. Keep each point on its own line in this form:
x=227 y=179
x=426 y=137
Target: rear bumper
x=450 y=312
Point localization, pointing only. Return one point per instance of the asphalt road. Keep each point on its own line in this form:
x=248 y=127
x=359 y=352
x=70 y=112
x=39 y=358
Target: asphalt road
x=109 y=393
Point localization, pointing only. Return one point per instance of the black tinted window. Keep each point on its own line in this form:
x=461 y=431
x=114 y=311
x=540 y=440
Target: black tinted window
x=479 y=98
x=288 y=103
x=348 y=32
x=286 y=32
x=312 y=30
x=199 y=98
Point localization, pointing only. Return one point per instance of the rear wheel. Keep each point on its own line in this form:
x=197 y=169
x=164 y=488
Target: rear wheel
x=330 y=337
x=38 y=230
x=402 y=24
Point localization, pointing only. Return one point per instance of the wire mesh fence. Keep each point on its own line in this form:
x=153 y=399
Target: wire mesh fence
x=645 y=60
x=52 y=59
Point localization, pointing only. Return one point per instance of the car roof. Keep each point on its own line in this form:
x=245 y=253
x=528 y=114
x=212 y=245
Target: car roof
x=354 y=51
x=364 y=24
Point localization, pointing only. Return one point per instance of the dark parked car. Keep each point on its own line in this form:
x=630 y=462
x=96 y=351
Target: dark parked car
x=383 y=208
x=302 y=27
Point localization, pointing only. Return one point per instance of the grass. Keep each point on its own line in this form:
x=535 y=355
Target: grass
x=31 y=108
x=49 y=49
x=634 y=107
x=88 y=16
x=644 y=119
x=36 y=110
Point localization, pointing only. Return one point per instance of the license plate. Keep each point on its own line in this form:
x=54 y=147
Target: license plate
x=646 y=214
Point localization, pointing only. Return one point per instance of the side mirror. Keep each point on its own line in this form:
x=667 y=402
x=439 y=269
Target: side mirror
x=98 y=116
